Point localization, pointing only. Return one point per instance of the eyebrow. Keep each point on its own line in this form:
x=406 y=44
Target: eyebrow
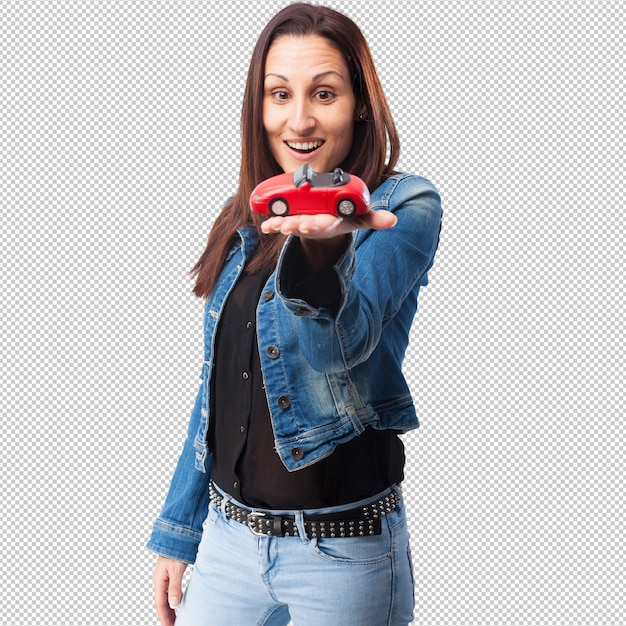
x=316 y=77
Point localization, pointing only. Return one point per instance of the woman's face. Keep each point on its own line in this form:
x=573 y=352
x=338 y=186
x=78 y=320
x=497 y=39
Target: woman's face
x=309 y=108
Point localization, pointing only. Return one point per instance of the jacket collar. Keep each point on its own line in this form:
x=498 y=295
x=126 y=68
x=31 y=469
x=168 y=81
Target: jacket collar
x=249 y=239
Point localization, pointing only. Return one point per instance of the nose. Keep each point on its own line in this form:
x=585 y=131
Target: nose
x=301 y=119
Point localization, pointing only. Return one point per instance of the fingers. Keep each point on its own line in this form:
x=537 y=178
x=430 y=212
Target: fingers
x=323 y=226
x=167 y=580
x=299 y=224
x=165 y=613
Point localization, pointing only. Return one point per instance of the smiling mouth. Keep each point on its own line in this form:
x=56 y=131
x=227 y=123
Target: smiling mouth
x=304 y=147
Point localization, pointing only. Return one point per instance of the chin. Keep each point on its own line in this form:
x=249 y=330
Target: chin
x=319 y=165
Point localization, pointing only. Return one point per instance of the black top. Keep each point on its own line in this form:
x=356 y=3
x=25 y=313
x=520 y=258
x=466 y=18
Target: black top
x=246 y=464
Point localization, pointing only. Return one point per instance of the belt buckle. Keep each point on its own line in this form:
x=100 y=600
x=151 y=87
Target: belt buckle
x=249 y=523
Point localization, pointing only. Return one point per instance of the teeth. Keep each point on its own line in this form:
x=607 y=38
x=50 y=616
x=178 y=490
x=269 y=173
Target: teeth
x=311 y=145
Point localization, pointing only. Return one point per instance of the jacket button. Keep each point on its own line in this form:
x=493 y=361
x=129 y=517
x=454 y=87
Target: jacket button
x=297 y=453
x=273 y=352
x=300 y=312
x=284 y=402
x=268 y=295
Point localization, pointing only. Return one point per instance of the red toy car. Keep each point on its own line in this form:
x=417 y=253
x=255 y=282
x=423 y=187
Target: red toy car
x=307 y=191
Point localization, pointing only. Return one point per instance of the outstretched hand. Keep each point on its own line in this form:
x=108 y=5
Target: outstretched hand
x=325 y=226
x=323 y=237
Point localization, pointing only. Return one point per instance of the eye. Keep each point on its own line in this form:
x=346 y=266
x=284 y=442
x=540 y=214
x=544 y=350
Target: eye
x=279 y=94
x=325 y=95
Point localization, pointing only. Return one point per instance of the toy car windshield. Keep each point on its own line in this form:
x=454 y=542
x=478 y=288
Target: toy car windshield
x=306 y=174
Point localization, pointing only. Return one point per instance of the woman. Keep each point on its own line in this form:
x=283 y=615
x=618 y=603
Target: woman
x=293 y=440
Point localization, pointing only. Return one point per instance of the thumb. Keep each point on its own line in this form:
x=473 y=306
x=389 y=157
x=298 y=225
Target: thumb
x=173 y=600
x=174 y=591
x=382 y=220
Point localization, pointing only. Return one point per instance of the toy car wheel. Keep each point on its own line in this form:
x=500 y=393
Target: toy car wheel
x=279 y=206
x=346 y=207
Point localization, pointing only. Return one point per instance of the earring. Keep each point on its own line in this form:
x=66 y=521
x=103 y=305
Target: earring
x=361 y=118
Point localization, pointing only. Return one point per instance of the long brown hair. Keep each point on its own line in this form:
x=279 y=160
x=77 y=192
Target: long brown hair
x=373 y=135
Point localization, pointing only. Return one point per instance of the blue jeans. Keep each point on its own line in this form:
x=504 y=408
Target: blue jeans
x=242 y=579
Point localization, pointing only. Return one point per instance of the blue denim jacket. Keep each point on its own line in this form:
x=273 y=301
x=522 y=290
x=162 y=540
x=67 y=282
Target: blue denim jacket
x=327 y=376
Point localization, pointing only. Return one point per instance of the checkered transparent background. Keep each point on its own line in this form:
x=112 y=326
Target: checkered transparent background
x=119 y=140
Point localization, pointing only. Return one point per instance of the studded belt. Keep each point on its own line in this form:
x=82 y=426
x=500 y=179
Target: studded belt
x=362 y=521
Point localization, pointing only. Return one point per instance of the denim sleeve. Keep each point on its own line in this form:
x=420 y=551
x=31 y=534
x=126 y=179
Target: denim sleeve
x=177 y=531
x=376 y=274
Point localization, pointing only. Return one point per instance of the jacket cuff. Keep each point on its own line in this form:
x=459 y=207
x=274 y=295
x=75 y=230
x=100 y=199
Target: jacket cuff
x=174 y=542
